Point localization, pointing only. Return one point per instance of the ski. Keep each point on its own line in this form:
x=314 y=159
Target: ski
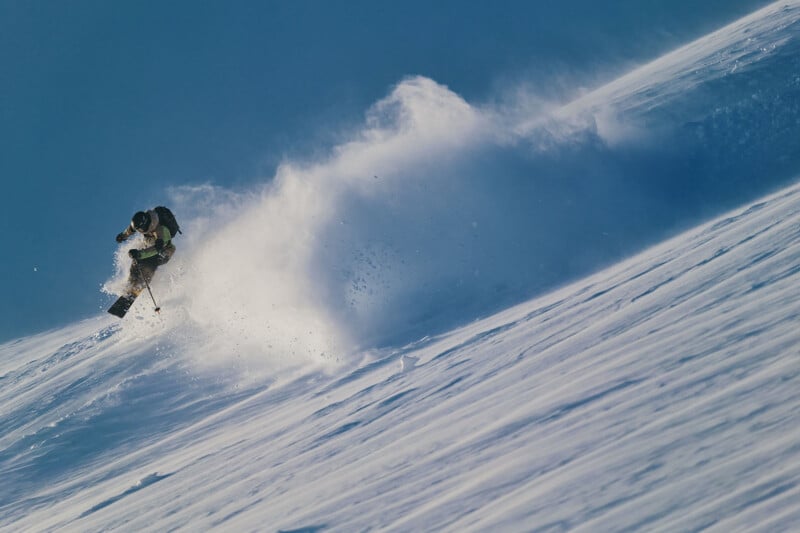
x=121 y=306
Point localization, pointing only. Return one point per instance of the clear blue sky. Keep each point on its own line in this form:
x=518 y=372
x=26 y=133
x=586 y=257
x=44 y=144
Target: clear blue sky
x=105 y=104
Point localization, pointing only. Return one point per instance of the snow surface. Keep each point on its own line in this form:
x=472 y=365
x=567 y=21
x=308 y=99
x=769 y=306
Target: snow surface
x=660 y=393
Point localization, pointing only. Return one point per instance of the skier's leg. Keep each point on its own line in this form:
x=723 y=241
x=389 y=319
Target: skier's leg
x=141 y=273
x=135 y=282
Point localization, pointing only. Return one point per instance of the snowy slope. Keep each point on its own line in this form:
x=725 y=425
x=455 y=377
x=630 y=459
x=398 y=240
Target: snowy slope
x=662 y=393
x=272 y=392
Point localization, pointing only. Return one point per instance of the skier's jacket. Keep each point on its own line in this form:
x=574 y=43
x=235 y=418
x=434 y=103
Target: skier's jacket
x=157 y=238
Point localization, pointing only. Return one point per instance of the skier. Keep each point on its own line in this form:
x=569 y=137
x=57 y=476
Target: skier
x=158 y=226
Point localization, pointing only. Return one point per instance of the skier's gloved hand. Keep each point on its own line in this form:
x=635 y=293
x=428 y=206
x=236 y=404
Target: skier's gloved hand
x=159 y=244
x=121 y=237
x=134 y=253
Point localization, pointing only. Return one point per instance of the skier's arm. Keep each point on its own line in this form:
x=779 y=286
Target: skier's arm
x=164 y=237
x=125 y=234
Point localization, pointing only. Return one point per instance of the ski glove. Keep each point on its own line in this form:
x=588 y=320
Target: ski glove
x=134 y=253
x=121 y=237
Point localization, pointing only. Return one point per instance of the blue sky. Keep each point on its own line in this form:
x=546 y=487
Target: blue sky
x=103 y=106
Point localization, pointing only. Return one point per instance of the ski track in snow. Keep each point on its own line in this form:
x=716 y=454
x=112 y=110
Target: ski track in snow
x=660 y=394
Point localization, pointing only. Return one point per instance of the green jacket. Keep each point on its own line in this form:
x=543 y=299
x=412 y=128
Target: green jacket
x=157 y=239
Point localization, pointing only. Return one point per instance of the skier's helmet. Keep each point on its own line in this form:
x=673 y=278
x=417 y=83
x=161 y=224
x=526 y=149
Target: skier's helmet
x=141 y=221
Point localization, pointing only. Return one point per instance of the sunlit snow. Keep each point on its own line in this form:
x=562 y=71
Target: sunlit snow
x=338 y=351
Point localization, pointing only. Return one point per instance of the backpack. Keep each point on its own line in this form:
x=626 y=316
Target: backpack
x=166 y=218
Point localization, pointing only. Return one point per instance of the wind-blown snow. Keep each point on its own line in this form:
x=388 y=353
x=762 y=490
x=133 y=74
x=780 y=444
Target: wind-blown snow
x=438 y=210
x=272 y=393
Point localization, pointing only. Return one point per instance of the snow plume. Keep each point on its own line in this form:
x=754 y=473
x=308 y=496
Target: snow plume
x=430 y=215
x=304 y=267
x=438 y=211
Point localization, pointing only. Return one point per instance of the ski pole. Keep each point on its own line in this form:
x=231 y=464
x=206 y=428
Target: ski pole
x=146 y=284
